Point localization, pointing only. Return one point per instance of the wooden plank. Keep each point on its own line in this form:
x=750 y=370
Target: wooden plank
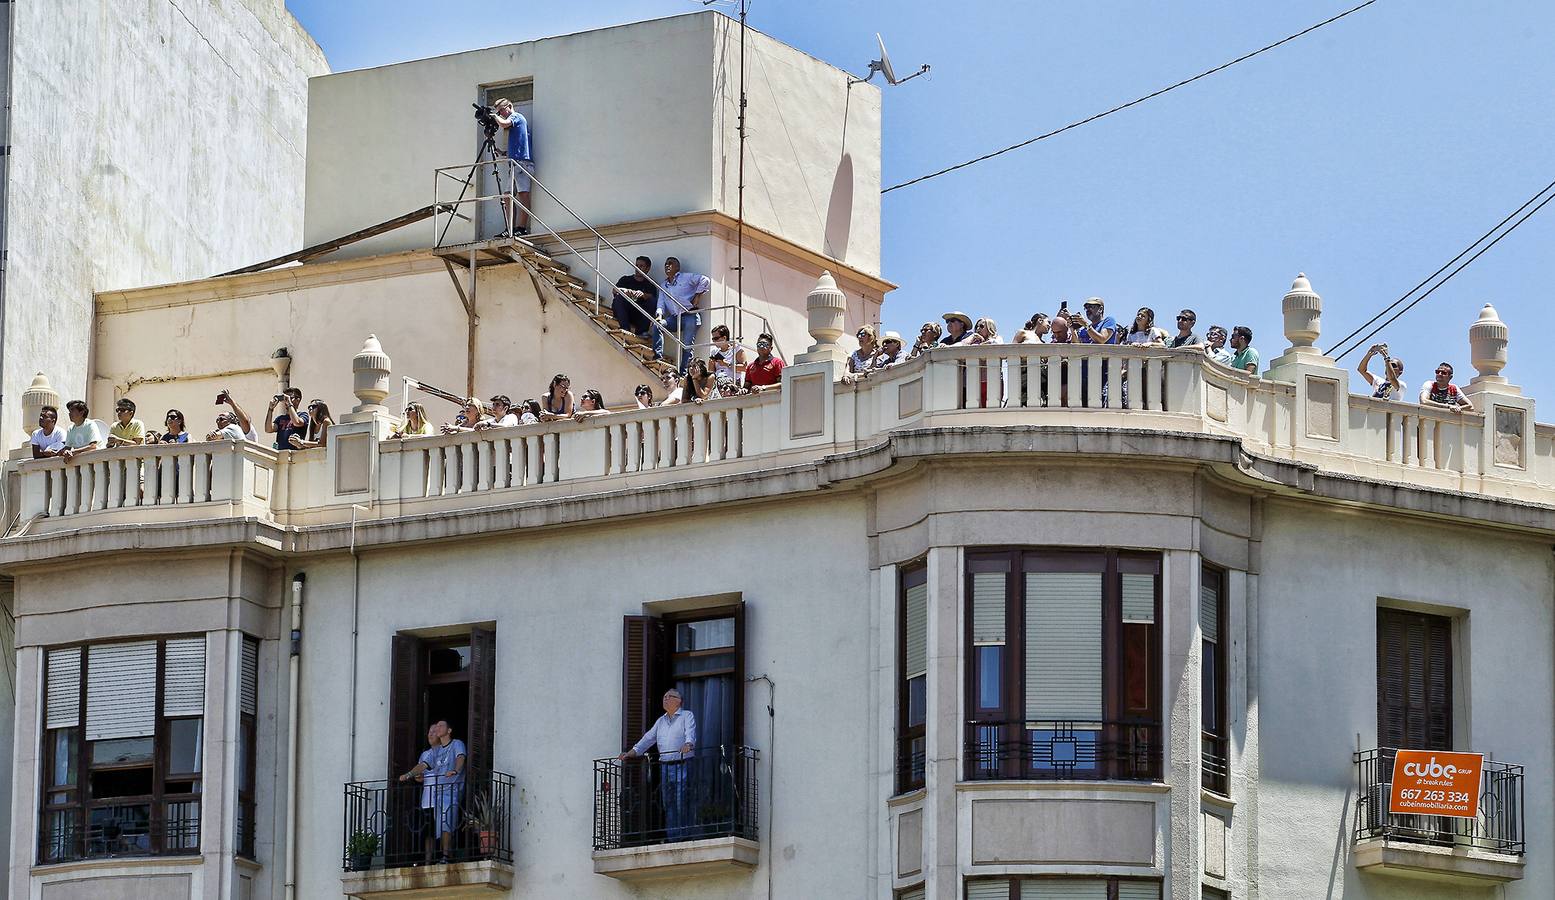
x=307 y=253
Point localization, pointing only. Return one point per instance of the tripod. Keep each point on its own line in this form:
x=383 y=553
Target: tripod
x=487 y=153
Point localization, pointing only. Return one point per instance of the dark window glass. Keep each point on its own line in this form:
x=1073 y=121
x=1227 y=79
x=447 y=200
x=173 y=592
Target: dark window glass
x=989 y=667
x=62 y=757
x=121 y=783
x=696 y=665
x=917 y=700
x=1209 y=689
x=183 y=745
x=122 y=751
x=448 y=660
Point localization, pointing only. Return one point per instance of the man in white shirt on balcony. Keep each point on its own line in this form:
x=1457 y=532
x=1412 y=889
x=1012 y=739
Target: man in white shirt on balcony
x=675 y=734
x=49 y=438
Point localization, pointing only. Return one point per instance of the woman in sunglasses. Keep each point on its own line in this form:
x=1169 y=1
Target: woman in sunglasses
x=319 y=421
x=175 y=433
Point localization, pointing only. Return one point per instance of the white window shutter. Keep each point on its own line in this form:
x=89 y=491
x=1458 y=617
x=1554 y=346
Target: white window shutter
x=988 y=607
x=988 y=890
x=183 y=678
x=1063 y=889
x=63 y=703
x=1063 y=647
x=917 y=631
x=1139 y=890
x=1209 y=612
x=248 y=688
x=1139 y=598
x=121 y=691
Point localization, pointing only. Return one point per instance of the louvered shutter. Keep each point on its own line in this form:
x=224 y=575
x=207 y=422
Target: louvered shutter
x=1209 y=610
x=483 y=691
x=1139 y=598
x=912 y=893
x=406 y=730
x=1139 y=890
x=183 y=677
x=1063 y=889
x=63 y=703
x=642 y=671
x=988 y=890
x=121 y=691
x=1414 y=680
x=248 y=678
x=917 y=613
x=988 y=590
x=1063 y=647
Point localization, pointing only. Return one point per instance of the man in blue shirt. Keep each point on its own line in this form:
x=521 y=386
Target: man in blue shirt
x=680 y=309
x=675 y=734
x=1096 y=328
x=517 y=128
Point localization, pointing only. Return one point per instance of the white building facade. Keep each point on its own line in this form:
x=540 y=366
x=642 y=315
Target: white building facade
x=1003 y=621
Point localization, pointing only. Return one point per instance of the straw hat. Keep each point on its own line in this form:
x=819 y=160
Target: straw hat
x=958 y=316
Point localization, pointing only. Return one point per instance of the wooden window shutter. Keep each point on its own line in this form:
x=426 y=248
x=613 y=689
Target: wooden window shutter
x=183 y=677
x=121 y=691
x=1063 y=646
x=483 y=692
x=407 y=733
x=642 y=668
x=63 y=698
x=1414 y=680
x=248 y=685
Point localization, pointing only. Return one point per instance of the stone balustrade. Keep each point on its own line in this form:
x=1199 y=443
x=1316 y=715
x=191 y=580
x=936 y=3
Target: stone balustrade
x=1301 y=411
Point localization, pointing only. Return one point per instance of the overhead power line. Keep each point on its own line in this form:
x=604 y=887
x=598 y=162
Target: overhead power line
x=1548 y=189
x=1427 y=279
x=1135 y=102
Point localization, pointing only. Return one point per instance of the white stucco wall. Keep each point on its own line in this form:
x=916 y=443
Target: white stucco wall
x=559 y=705
x=147 y=146
x=632 y=122
x=1323 y=574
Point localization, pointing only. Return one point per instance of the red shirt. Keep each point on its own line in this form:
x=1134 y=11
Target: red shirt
x=758 y=373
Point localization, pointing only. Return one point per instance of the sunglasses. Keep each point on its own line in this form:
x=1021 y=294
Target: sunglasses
x=1185 y=318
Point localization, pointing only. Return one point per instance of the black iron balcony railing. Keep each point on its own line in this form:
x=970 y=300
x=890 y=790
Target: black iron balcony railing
x=911 y=763
x=1215 y=765
x=1497 y=828
x=1105 y=750
x=122 y=830
x=389 y=824
x=639 y=801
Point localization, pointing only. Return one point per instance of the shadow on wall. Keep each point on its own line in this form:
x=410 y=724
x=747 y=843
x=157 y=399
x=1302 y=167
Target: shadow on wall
x=839 y=212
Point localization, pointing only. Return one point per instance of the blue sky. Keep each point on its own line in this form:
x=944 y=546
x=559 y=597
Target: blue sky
x=1366 y=154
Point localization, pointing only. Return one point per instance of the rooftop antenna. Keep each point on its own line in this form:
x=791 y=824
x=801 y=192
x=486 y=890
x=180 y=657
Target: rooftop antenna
x=884 y=67
x=739 y=216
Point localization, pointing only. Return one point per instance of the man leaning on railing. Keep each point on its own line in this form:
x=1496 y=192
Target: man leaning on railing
x=675 y=734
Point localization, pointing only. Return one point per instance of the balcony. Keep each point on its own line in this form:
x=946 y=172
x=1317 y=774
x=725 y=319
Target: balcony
x=1059 y=751
x=393 y=845
x=120 y=831
x=1074 y=391
x=670 y=819
x=1486 y=849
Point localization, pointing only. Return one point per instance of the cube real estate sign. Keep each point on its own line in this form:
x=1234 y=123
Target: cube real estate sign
x=1436 y=783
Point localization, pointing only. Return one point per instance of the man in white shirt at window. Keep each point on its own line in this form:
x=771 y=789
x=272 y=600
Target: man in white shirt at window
x=675 y=734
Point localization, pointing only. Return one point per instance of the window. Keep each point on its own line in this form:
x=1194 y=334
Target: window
x=248 y=742
x=124 y=779
x=1063 y=888
x=452 y=679
x=699 y=653
x=1063 y=665
x=912 y=686
x=1414 y=680
x=1210 y=893
x=1215 y=764
x=912 y=893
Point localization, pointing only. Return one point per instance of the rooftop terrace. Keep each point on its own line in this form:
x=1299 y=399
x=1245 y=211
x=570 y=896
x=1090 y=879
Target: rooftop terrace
x=1299 y=424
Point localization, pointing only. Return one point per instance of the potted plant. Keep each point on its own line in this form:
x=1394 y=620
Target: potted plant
x=484 y=818
x=360 y=850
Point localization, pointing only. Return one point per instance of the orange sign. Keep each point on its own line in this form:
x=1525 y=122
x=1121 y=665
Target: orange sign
x=1436 y=783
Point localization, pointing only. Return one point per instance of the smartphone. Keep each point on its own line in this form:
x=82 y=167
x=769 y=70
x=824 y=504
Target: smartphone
x=221 y=398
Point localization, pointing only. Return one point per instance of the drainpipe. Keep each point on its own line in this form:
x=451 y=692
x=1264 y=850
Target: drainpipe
x=291 y=737
x=356 y=580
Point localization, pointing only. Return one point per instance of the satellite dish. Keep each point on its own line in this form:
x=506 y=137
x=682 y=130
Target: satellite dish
x=885 y=61
x=884 y=67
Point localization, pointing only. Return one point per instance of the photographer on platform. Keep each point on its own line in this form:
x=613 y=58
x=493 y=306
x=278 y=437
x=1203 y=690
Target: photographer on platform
x=517 y=128
x=283 y=419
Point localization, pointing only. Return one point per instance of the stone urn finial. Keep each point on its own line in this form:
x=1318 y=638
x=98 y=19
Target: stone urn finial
x=38 y=395
x=825 y=305
x=370 y=376
x=1488 y=337
x=1303 y=310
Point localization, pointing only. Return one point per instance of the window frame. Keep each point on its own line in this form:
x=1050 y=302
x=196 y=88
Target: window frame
x=671 y=620
x=1014 y=882
x=1217 y=741
x=1010 y=729
x=908 y=779
x=83 y=804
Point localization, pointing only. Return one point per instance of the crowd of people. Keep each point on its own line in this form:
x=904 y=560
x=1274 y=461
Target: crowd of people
x=729 y=369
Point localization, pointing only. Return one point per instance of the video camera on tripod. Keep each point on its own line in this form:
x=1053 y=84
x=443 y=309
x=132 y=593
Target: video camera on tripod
x=487 y=117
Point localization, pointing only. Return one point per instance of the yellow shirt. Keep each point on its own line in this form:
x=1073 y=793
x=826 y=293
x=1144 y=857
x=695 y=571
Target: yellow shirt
x=134 y=432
